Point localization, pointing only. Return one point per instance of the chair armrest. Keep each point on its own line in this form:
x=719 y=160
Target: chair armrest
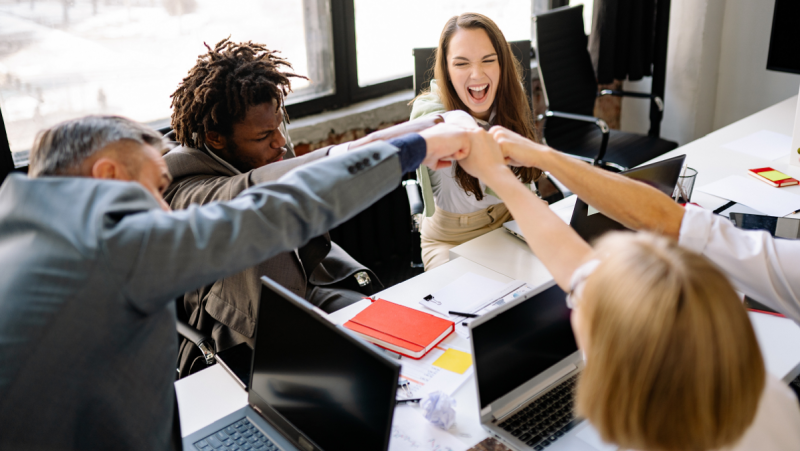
x=598 y=160
x=576 y=117
x=642 y=95
x=206 y=344
x=414 y=196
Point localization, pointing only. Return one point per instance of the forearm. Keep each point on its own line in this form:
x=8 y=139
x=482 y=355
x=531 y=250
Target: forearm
x=559 y=248
x=632 y=203
x=274 y=171
x=179 y=251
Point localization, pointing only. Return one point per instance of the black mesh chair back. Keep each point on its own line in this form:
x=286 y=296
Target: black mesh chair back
x=565 y=66
x=570 y=87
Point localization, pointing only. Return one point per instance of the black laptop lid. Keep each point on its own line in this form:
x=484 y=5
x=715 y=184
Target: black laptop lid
x=319 y=379
x=520 y=343
x=662 y=175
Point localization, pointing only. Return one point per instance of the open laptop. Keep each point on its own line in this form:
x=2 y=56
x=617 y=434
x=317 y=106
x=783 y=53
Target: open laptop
x=313 y=386
x=590 y=224
x=526 y=368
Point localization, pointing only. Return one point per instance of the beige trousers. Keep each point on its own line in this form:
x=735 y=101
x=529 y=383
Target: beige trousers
x=444 y=231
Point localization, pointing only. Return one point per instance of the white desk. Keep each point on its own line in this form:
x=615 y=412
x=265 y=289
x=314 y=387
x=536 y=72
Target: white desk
x=714 y=162
x=211 y=394
x=778 y=337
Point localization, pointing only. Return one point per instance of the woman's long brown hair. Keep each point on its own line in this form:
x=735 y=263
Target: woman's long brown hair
x=510 y=102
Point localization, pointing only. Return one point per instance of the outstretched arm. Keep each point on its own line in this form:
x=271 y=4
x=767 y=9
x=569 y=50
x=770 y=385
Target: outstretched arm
x=632 y=203
x=164 y=254
x=559 y=248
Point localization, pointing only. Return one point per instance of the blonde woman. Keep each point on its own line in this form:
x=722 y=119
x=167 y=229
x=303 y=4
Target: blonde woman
x=672 y=362
x=476 y=74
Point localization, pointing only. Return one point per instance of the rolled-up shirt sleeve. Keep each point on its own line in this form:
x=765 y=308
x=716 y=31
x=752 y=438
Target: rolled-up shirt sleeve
x=764 y=268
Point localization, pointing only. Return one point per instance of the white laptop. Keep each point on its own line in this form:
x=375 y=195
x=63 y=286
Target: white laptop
x=526 y=368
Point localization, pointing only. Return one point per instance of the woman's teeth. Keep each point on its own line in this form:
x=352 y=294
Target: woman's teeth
x=478 y=92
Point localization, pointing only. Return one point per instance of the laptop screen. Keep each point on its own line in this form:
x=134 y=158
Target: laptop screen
x=520 y=343
x=335 y=389
x=662 y=175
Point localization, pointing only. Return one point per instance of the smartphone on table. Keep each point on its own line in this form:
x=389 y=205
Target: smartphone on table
x=778 y=227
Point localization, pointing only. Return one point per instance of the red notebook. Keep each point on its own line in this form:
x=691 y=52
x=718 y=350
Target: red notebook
x=773 y=177
x=400 y=329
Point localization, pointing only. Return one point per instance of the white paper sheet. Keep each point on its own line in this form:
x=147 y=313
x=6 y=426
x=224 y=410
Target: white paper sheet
x=426 y=378
x=756 y=195
x=763 y=144
x=507 y=294
x=463 y=295
x=410 y=430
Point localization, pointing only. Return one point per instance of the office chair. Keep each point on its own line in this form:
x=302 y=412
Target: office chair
x=570 y=87
x=205 y=345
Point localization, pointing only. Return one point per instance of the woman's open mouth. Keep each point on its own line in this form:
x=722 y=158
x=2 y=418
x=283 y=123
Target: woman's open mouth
x=478 y=92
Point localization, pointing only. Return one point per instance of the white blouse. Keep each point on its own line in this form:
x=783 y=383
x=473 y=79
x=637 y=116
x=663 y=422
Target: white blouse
x=448 y=196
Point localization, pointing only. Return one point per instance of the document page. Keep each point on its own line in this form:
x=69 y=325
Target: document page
x=444 y=368
x=764 y=144
x=463 y=295
x=410 y=430
x=756 y=195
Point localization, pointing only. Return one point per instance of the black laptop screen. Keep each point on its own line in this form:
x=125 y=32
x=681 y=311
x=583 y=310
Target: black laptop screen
x=662 y=175
x=338 y=393
x=520 y=343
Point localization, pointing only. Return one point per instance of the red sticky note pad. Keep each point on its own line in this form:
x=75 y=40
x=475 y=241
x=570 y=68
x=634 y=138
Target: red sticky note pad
x=773 y=177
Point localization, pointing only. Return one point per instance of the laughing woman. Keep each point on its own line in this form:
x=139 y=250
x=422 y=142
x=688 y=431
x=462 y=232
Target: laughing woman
x=474 y=72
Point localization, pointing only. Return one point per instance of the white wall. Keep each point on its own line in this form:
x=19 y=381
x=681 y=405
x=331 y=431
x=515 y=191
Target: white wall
x=745 y=85
x=716 y=69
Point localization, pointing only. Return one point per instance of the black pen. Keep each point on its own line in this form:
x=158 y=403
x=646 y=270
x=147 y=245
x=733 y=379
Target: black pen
x=465 y=315
x=409 y=401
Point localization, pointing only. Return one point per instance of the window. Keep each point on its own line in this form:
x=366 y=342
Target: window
x=61 y=59
x=384 y=46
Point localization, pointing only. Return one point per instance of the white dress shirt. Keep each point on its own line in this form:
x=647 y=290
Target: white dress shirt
x=764 y=268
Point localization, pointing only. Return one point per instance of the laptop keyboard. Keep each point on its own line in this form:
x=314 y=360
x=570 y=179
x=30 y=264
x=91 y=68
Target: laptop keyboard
x=241 y=435
x=543 y=421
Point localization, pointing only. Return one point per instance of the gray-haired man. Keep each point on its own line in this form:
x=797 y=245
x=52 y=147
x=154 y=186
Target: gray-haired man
x=89 y=268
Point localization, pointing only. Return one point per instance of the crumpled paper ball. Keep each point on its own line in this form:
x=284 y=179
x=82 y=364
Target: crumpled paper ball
x=440 y=409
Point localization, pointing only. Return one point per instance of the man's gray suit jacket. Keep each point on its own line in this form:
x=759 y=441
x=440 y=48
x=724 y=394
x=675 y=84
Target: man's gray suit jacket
x=89 y=270
x=200 y=179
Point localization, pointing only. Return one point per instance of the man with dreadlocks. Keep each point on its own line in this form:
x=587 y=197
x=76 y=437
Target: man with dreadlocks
x=229 y=118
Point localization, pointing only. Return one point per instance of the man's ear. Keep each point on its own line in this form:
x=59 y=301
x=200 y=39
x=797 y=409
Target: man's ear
x=215 y=140
x=108 y=168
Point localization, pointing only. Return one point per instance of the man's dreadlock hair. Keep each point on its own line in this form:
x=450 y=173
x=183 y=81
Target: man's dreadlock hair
x=223 y=84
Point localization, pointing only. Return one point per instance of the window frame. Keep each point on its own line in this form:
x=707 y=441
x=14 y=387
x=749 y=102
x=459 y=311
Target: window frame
x=345 y=71
x=346 y=88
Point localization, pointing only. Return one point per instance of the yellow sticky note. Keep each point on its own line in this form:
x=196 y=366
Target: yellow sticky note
x=773 y=175
x=455 y=361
